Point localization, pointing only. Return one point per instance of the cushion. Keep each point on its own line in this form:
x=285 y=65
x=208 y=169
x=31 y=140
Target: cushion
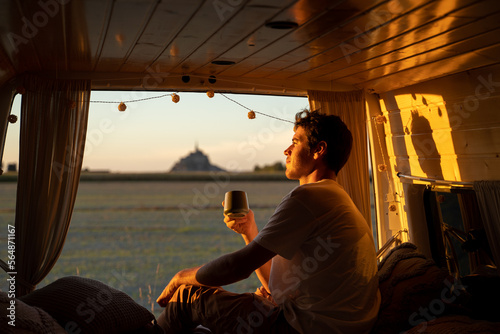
x=26 y=319
x=79 y=303
x=413 y=290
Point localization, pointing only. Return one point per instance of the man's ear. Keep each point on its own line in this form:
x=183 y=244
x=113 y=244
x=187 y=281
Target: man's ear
x=320 y=150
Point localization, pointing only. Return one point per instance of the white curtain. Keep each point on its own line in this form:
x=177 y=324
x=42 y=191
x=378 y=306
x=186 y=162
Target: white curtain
x=488 y=197
x=53 y=129
x=350 y=107
x=6 y=98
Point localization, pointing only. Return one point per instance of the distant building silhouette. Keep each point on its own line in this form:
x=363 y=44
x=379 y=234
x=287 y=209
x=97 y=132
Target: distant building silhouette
x=196 y=161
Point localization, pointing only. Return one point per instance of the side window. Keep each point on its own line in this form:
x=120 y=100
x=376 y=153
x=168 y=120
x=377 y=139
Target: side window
x=456 y=234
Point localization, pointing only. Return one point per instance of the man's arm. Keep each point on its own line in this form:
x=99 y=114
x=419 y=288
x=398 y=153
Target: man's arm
x=247 y=228
x=224 y=270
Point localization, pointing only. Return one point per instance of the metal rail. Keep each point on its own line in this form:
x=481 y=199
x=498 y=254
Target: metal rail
x=436 y=181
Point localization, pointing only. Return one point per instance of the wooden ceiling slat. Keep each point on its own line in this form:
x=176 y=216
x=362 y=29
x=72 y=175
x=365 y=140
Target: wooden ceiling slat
x=18 y=37
x=84 y=25
x=463 y=47
x=167 y=21
x=245 y=23
x=127 y=22
x=341 y=55
x=421 y=39
x=315 y=21
x=414 y=75
x=335 y=32
x=90 y=36
x=423 y=52
x=207 y=20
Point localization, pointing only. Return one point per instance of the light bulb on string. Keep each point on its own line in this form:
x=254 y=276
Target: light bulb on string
x=12 y=118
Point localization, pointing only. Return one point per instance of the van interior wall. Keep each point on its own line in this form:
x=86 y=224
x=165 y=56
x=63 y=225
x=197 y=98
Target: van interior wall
x=447 y=129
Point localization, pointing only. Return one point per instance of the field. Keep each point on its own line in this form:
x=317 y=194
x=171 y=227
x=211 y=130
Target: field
x=135 y=235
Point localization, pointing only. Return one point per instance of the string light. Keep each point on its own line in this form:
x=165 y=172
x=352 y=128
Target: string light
x=12 y=118
x=176 y=98
x=256 y=112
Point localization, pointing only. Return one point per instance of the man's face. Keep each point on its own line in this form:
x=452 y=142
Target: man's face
x=299 y=159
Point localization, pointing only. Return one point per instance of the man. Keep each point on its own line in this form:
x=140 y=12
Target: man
x=315 y=257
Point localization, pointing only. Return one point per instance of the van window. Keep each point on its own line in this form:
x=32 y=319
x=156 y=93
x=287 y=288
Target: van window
x=456 y=234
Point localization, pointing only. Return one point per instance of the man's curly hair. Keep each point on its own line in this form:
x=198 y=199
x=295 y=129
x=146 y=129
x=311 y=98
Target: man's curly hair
x=330 y=129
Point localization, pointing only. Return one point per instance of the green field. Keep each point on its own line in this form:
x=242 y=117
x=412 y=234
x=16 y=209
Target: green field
x=135 y=235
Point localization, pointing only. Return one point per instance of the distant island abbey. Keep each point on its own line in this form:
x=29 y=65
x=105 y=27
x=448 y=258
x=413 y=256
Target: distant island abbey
x=196 y=161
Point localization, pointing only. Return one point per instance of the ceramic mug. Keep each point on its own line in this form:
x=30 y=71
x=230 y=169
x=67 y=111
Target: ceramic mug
x=236 y=204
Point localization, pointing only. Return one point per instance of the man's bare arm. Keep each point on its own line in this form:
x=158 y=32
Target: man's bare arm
x=247 y=228
x=224 y=270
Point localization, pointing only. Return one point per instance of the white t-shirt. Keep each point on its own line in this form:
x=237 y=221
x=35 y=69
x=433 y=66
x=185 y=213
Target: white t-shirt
x=324 y=275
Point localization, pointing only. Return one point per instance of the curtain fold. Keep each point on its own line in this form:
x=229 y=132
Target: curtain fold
x=488 y=198
x=6 y=98
x=54 y=117
x=354 y=176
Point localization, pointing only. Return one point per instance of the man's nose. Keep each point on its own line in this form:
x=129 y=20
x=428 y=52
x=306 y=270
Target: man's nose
x=288 y=150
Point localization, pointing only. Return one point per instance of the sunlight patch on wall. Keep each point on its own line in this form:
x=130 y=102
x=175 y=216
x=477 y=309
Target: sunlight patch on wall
x=419 y=135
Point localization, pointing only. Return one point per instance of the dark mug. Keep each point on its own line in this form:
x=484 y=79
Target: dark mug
x=236 y=204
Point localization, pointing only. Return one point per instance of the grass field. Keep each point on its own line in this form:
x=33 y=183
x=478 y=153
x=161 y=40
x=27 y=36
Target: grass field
x=135 y=235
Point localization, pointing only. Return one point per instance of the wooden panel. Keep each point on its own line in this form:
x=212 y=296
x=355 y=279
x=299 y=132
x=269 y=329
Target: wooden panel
x=84 y=31
x=462 y=39
x=466 y=169
x=387 y=45
x=343 y=39
x=167 y=21
x=442 y=143
x=123 y=31
x=395 y=43
x=451 y=65
x=239 y=27
x=314 y=20
x=17 y=41
x=87 y=37
x=203 y=24
x=448 y=127
x=469 y=47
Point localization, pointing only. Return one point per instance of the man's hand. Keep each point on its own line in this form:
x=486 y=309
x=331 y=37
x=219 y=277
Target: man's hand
x=245 y=226
x=186 y=276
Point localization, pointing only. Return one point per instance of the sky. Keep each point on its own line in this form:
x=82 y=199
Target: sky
x=152 y=135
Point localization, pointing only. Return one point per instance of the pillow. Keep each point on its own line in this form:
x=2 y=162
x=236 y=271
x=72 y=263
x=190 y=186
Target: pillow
x=413 y=290
x=88 y=306
x=26 y=319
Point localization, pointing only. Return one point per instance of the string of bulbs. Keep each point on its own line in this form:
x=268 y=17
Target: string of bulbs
x=176 y=98
x=122 y=105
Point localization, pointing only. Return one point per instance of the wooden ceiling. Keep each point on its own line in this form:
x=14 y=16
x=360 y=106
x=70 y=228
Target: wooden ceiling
x=335 y=45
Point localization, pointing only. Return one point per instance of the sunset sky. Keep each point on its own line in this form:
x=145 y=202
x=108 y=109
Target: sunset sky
x=152 y=135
